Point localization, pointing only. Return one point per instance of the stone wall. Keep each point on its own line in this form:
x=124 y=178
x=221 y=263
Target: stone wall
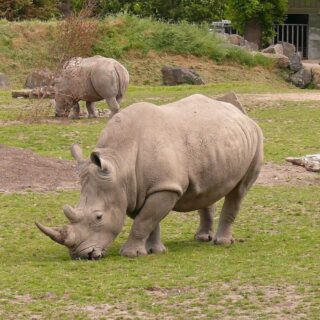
x=314 y=37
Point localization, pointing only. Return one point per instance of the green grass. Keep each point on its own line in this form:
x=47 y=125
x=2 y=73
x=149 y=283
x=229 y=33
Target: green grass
x=290 y=128
x=124 y=33
x=277 y=263
x=271 y=274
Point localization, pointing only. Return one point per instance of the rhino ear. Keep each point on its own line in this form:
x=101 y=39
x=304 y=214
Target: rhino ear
x=98 y=160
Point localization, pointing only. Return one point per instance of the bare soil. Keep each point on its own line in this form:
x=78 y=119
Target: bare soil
x=22 y=170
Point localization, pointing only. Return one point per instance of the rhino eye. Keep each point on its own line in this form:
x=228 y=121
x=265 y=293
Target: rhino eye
x=99 y=216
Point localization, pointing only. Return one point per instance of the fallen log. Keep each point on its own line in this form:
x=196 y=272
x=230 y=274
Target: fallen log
x=310 y=162
x=36 y=93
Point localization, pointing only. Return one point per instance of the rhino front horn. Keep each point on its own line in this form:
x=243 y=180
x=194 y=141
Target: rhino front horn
x=55 y=234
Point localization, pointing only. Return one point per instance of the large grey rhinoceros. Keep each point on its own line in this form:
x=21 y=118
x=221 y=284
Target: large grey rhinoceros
x=149 y=160
x=90 y=79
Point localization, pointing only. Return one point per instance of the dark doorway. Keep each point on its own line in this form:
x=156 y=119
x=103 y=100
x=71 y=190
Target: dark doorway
x=295 y=31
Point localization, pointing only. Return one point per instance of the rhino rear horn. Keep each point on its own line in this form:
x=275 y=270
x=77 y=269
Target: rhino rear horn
x=71 y=213
x=56 y=234
x=76 y=152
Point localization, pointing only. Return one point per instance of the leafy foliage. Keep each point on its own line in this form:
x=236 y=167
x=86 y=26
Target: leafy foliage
x=197 y=11
x=28 y=9
x=267 y=12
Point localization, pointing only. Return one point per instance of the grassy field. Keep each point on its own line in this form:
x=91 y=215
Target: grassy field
x=271 y=273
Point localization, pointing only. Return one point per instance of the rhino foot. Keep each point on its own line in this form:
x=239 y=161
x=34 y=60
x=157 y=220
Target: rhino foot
x=156 y=248
x=132 y=250
x=204 y=236
x=223 y=240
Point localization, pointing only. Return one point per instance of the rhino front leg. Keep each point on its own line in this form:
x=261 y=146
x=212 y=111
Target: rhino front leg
x=156 y=207
x=91 y=109
x=113 y=105
x=204 y=232
x=154 y=244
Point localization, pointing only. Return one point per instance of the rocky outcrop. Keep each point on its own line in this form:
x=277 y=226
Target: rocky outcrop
x=39 y=78
x=175 y=75
x=4 y=81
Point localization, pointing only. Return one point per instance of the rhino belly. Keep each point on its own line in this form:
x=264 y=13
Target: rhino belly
x=194 y=199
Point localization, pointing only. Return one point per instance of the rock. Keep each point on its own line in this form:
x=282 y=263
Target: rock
x=232 y=98
x=39 y=78
x=274 y=49
x=316 y=77
x=4 y=81
x=302 y=78
x=174 y=76
x=236 y=40
x=288 y=49
x=280 y=60
x=295 y=62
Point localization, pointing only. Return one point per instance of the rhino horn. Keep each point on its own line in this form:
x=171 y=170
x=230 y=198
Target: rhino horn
x=56 y=234
x=77 y=154
x=71 y=213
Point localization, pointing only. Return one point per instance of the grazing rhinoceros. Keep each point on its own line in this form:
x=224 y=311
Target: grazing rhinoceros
x=149 y=160
x=90 y=79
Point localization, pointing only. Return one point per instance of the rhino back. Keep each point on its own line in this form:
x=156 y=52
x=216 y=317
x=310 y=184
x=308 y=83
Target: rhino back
x=197 y=147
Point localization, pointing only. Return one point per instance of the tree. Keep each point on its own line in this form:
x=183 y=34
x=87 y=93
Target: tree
x=265 y=13
x=197 y=11
x=28 y=9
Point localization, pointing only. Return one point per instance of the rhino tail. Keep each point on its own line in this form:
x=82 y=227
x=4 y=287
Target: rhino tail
x=123 y=80
x=232 y=98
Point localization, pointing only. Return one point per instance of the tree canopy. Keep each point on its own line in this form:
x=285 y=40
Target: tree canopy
x=267 y=12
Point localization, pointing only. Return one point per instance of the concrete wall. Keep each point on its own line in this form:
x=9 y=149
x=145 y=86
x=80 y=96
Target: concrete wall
x=314 y=37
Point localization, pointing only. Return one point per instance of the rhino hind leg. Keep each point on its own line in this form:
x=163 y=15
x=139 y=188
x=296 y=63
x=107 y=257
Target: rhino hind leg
x=156 y=207
x=154 y=244
x=232 y=202
x=76 y=111
x=204 y=232
x=91 y=109
x=113 y=105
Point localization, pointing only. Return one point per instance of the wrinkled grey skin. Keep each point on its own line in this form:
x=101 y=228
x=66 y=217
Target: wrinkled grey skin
x=149 y=160
x=90 y=79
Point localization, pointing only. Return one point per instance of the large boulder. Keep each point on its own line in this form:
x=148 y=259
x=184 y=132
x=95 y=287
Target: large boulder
x=302 y=78
x=39 y=78
x=288 y=49
x=295 y=62
x=174 y=75
x=281 y=61
x=4 y=81
x=274 y=49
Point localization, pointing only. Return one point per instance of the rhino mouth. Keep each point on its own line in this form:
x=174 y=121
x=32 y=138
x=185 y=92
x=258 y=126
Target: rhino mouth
x=90 y=253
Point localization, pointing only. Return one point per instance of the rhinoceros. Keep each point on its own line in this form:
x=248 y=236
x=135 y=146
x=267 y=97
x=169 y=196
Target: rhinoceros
x=149 y=160
x=89 y=79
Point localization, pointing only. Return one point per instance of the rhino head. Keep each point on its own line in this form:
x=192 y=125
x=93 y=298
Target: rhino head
x=99 y=216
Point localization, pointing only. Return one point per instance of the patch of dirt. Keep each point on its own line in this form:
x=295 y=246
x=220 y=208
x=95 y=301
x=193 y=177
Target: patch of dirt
x=286 y=174
x=22 y=169
x=294 y=96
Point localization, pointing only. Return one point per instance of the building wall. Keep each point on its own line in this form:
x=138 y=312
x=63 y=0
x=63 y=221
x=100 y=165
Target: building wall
x=314 y=36
x=304 y=6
